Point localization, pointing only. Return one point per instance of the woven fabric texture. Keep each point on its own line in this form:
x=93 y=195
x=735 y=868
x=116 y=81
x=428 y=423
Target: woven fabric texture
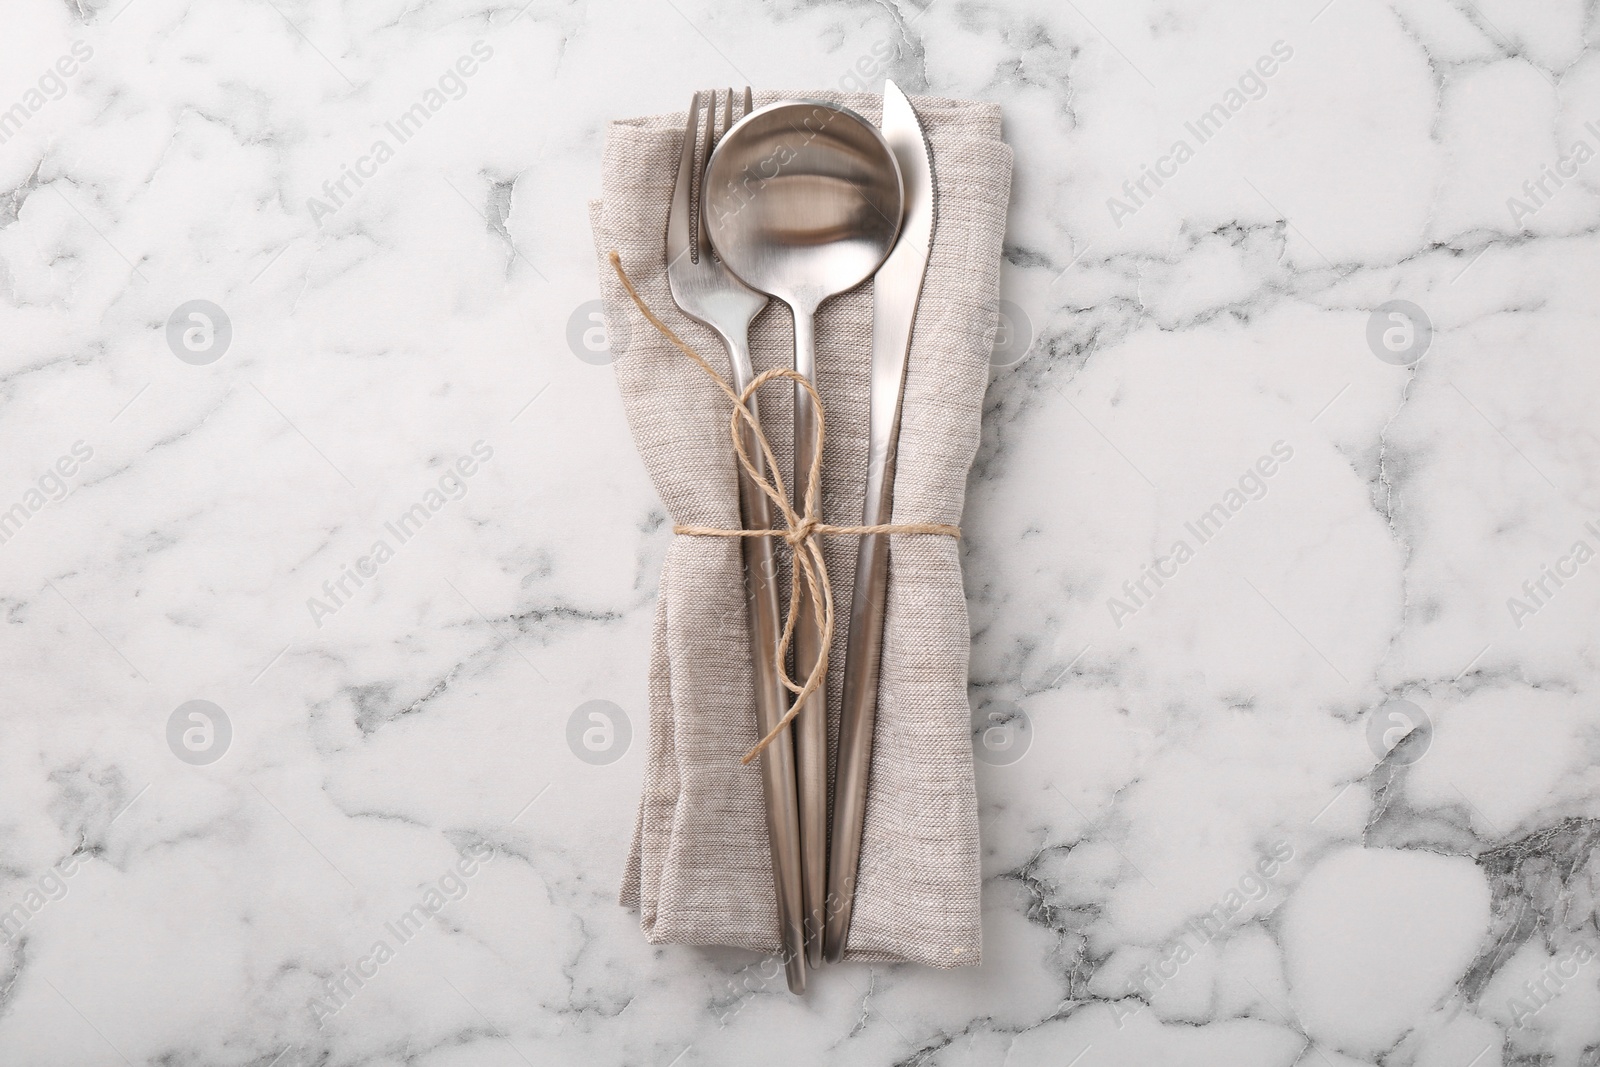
x=699 y=870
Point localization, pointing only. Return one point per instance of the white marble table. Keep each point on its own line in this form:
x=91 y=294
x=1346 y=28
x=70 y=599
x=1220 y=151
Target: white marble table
x=1241 y=523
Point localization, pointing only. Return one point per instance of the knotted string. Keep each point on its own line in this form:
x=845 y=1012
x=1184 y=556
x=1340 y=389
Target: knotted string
x=802 y=530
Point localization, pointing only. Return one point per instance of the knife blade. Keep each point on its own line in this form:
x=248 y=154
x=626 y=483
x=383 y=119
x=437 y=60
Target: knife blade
x=896 y=291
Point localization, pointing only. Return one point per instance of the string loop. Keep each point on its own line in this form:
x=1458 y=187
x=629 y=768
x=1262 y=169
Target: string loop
x=802 y=531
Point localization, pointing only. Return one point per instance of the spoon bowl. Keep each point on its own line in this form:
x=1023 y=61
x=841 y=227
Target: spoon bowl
x=803 y=201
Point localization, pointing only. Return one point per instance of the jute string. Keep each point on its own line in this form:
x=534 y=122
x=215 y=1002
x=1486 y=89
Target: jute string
x=802 y=531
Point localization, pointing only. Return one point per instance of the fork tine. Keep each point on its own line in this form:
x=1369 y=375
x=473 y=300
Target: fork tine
x=701 y=236
x=749 y=104
x=680 y=237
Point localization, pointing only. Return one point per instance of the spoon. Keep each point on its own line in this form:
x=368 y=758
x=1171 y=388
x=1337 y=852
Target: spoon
x=803 y=202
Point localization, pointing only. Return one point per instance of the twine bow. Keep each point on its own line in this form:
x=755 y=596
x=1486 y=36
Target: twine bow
x=802 y=531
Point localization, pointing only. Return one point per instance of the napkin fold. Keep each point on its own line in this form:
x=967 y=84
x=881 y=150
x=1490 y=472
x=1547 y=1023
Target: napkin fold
x=699 y=871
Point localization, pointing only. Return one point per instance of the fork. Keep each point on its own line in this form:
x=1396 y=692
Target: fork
x=706 y=291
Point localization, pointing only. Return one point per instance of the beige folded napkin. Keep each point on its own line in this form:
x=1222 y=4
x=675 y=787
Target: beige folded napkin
x=699 y=871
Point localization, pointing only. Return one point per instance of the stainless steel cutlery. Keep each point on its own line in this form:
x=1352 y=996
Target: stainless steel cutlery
x=817 y=226
x=896 y=290
x=707 y=292
x=800 y=201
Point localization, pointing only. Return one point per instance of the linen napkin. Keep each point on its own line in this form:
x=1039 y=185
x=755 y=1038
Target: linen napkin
x=699 y=871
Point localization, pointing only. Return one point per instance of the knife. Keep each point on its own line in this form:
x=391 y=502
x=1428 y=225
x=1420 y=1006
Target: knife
x=896 y=289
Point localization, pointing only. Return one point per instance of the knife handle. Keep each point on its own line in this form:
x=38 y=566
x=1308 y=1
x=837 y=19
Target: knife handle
x=859 y=703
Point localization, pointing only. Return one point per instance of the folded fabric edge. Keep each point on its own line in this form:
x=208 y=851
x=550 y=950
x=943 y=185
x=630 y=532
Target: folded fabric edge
x=648 y=127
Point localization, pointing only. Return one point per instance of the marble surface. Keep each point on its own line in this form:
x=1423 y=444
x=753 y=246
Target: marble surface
x=1284 y=670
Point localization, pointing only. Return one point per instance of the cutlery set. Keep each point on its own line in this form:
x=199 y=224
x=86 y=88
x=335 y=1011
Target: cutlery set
x=800 y=201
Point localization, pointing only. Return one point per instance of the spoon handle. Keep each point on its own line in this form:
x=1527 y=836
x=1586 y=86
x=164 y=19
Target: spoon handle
x=761 y=601
x=811 y=726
